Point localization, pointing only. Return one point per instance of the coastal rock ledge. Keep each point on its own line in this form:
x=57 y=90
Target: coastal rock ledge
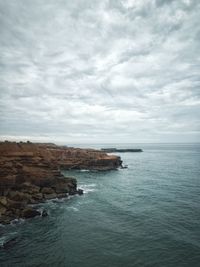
x=30 y=173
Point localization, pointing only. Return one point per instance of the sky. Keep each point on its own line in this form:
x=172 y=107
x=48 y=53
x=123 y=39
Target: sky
x=90 y=71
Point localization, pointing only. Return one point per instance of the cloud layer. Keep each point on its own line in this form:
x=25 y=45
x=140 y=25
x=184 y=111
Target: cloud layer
x=100 y=71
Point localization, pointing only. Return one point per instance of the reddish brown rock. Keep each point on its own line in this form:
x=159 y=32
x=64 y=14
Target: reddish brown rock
x=50 y=196
x=47 y=190
x=31 y=173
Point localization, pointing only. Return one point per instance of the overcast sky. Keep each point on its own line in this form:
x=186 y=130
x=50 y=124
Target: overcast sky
x=100 y=71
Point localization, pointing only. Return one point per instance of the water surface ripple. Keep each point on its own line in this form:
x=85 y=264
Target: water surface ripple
x=146 y=215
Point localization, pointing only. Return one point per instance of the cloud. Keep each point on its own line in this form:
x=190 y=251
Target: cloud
x=100 y=71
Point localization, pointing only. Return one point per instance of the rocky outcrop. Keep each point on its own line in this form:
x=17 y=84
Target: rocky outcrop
x=122 y=150
x=31 y=173
x=15 y=199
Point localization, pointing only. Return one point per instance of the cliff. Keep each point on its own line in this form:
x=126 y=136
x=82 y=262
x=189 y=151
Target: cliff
x=31 y=173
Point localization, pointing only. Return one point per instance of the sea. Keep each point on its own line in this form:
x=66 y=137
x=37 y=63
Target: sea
x=146 y=215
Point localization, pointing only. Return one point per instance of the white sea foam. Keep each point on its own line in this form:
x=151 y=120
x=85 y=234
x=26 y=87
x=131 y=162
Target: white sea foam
x=6 y=238
x=84 y=170
x=87 y=188
x=2 y=241
x=71 y=196
x=73 y=208
x=17 y=221
x=57 y=200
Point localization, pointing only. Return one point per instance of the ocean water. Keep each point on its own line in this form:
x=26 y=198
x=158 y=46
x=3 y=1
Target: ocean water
x=146 y=215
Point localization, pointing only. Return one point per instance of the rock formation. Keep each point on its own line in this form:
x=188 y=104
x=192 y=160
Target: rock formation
x=122 y=150
x=31 y=173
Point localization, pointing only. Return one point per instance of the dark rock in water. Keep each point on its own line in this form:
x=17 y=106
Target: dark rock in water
x=9 y=243
x=80 y=191
x=111 y=150
x=62 y=195
x=30 y=213
x=124 y=167
x=44 y=213
x=72 y=192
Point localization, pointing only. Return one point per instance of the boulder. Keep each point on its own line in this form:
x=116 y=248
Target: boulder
x=3 y=210
x=72 y=192
x=47 y=190
x=4 y=201
x=62 y=195
x=10 y=204
x=61 y=188
x=29 y=188
x=80 y=191
x=37 y=197
x=30 y=213
x=44 y=213
x=19 y=196
x=50 y=196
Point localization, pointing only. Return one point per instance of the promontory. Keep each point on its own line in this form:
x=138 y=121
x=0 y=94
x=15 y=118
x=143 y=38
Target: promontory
x=31 y=173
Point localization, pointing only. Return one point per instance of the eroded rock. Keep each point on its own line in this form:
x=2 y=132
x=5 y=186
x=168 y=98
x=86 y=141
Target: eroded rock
x=31 y=173
x=80 y=191
x=44 y=213
x=30 y=213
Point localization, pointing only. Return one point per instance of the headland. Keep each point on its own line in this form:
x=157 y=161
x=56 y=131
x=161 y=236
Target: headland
x=31 y=173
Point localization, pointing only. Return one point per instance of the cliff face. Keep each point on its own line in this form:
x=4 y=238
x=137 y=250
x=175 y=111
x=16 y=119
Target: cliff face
x=30 y=173
x=50 y=156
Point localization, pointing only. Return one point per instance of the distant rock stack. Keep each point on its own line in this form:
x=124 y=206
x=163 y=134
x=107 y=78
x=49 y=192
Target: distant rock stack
x=123 y=150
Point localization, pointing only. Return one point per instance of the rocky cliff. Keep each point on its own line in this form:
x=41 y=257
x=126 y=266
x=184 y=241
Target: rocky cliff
x=31 y=173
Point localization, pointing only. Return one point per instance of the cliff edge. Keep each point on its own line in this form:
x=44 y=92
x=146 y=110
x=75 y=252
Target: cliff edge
x=31 y=173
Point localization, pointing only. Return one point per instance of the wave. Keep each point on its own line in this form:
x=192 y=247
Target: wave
x=73 y=208
x=7 y=239
x=17 y=221
x=87 y=188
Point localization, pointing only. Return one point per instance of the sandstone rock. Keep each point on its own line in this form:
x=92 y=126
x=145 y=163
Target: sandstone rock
x=7 y=180
x=61 y=187
x=27 y=187
x=50 y=196
x=2 y=210
x=47 y=190
x=62 y=195
x=37 y=196
x=4 y=201
x=15 y=204
x=29 y=213
x=8 y=165
x=30 y=173
x=19 y=196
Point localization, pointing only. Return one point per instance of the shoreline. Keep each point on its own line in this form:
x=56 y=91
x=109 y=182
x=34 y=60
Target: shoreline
x=31 y=173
